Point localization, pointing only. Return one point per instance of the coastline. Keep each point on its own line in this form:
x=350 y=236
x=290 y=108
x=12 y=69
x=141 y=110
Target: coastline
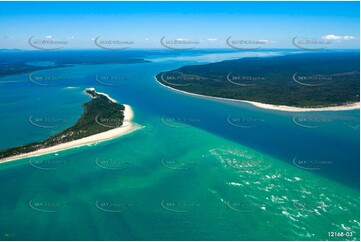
x=351 y=106
x=127 y=128
x=102 y=93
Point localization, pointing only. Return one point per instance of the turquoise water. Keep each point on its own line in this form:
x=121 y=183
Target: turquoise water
x=201 y=169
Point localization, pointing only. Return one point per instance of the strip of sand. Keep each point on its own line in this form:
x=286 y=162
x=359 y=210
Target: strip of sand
x=351 y=106
x=102 y=93
x=127 y=127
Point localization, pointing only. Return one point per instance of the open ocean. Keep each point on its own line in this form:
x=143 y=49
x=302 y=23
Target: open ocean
x=191 y=174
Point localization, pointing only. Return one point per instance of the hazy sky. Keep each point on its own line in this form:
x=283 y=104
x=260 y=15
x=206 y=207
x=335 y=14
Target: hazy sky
x=143 y=24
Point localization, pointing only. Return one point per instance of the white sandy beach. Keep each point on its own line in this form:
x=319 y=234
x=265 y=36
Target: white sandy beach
x=127 y=127
x=351 y=106
x=101 y=93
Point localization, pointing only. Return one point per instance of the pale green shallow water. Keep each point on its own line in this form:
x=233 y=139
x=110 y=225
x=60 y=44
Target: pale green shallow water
x=172 y=183
x=208 y=200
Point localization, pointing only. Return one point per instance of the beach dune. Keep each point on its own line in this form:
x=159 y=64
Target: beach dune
x=127 y=127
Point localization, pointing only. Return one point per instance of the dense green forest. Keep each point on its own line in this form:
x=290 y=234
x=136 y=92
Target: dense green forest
x=300 y=80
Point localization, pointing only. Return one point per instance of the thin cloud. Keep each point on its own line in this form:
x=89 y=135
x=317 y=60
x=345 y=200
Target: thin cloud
x=338 y=37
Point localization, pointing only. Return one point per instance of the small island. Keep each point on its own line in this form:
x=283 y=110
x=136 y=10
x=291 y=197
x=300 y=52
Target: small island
x=103 y=119
x=294 y=82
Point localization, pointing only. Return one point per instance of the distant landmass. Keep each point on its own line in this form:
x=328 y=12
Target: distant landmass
x=7 y=69
x=307 y=80
x=13 y=62
x=90 y=123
